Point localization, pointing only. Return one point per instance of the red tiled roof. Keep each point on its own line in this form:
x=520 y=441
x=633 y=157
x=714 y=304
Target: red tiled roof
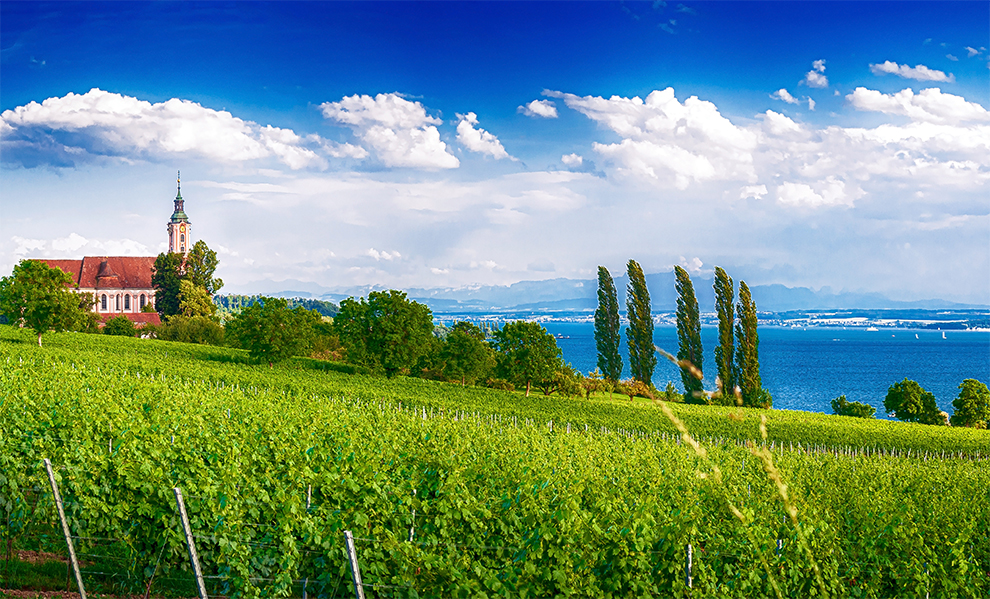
x=108 y=272
x=138 y=318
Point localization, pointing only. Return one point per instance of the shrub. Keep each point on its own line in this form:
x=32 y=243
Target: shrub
x=841 y=407
x=119 y=325
x=191 y=329
x=502 y=384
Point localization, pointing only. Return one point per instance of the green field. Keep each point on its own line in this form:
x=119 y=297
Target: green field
x=499 y=504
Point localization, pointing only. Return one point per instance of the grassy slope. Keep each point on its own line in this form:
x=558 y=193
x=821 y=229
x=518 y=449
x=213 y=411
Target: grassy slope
x=311 y=377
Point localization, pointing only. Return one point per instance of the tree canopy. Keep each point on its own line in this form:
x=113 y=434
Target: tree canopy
x=464 y=354
x=724 y=351
x=171 y=269
x=909 y=402
x=607 y=332
x=201 y=263
x=639 y=335
x=166 y=278
x=689 y=338
x=972 y=407
x=385 y=332
x=527 y=354
x=748 y=353
x=272 y=332
x=38 y=296
x=843 y=407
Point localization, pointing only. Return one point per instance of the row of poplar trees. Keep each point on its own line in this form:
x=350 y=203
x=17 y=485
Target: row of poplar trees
x=736 y=356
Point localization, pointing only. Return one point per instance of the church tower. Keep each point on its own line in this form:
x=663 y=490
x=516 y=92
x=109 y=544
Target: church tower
x=179 y=227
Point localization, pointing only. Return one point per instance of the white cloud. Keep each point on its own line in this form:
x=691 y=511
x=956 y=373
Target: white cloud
x=783 y=94
x=667 y=141
x=539 y=108
x=76 y=246
x=572 y=160
x=69 y=244
x=479 y=140
x=918 y=73
x=64 y=130
x=399 y=131
x=816 y=76
x=24 y=247
x=811 y=104
x=384 y=255
x=952 y=58
x=971 y=52
x=753 y=191
x=693 y=265
x=929 y=105
x=830 y=192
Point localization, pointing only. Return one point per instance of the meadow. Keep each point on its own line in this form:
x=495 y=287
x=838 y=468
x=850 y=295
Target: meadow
x=461 y=491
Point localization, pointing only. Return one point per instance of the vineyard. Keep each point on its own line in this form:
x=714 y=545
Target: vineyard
x=465 y=492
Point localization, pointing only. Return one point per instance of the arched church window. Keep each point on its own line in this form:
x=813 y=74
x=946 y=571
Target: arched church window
x=142 y=302
x=117 y=303
x=182 y=238
x=127 y=302
x=103 y=302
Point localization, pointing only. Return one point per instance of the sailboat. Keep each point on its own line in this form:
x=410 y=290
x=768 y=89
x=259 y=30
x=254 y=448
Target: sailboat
x=916 y=335
x=943 y=334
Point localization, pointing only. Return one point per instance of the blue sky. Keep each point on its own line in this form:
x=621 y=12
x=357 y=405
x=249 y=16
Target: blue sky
x=447 y=144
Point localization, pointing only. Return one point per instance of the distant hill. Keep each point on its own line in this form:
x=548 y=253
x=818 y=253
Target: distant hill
x=581 y=295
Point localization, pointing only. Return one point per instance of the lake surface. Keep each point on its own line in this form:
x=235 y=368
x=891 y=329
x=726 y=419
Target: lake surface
x=805 y=369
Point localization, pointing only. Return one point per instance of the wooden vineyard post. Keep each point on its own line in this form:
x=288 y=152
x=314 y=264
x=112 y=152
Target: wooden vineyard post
x=193 y=558
x=355 y=570
x=688 y=579
x=65 y=530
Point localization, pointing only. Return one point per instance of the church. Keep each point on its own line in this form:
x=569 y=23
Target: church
x=122 y=284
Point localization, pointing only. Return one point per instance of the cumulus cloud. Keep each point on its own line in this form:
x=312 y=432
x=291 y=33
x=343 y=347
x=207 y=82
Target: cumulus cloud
x=753 y=191
x=783 y=94
x=77 y=246
x=693 y=265
x=918 y=73
x=952 y=58
x=811 y=104
x=929 y=105
x=666 y=140
x=399 y=132
x=816 y=76
x=63 y=131
x=830 y=192
x=479 y=140
x=539 y=108
x=572 y=160
x=384 y=255
x=971 y=52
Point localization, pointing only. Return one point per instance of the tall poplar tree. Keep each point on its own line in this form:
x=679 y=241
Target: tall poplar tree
x=725 y=308
x=748 y=353
x=689 y=337
x=607 y=327
x=642 y=357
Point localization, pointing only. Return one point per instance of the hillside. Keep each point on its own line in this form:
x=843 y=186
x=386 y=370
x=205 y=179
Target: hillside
x=276 y=463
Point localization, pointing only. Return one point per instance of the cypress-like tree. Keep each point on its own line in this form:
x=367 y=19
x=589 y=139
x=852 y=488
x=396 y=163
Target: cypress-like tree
x=725 y=308
x=689 y=337
x=642 y=357
x=607 y=327
x=748 y=353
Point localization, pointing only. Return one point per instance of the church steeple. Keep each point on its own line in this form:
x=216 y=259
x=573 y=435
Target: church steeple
x=179 y=227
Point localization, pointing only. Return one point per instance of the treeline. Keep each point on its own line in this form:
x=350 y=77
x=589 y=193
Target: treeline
x=736 y=356
x=910 y=402
x=231 y=304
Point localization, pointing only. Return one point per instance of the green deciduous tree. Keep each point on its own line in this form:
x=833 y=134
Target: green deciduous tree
x=843 y=407
x=972 y=407
x=748 y=353
x=272 y=332
x=689 y=338
x=465 y=355
x=724 y=351
x=607 y=334
x=166 y=278
x=908 y=401
x=639 y=335
x=195 y=300
x=192 y=329
x=201 y=263
x=38 y=296
x=527 y=354
x=119 y=325
x=385 y=332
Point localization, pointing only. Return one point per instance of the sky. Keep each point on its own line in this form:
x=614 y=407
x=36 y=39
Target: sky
x=409 y=144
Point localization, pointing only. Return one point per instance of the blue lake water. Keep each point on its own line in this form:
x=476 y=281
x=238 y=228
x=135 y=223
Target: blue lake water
x=805 y=369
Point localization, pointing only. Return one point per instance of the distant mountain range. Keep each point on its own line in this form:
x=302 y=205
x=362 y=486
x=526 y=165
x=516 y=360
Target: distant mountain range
x=576 y=295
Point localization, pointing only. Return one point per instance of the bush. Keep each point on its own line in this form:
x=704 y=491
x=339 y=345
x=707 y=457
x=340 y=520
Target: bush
x=119 y=325
x=635 y=388
x=841 y=407
x=191 y=329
